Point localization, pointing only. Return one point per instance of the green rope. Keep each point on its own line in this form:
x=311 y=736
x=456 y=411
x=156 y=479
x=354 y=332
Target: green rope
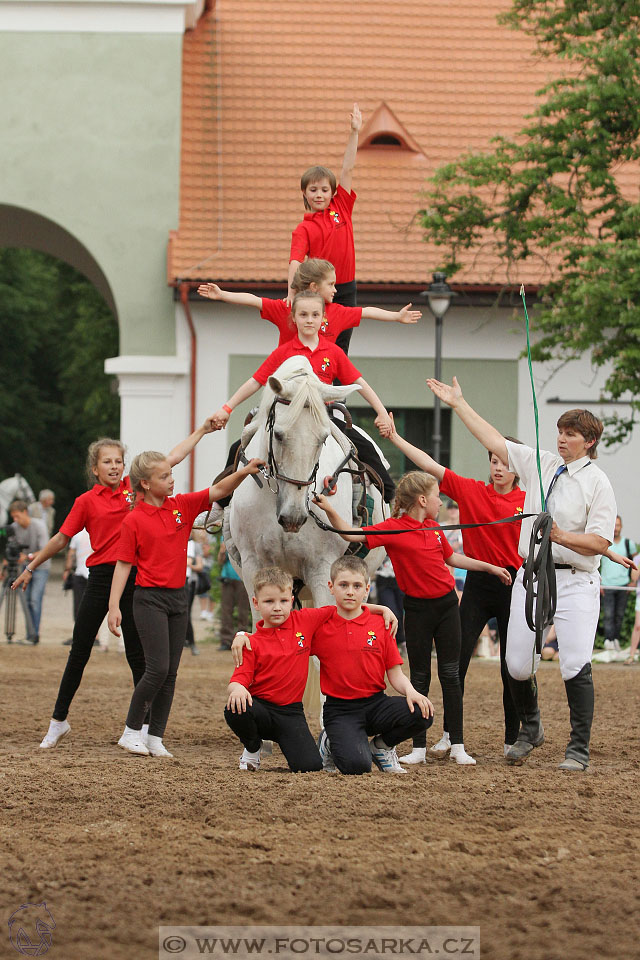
x=535 y=402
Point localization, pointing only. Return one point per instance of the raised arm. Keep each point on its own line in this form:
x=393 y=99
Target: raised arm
x=383 y=420
x=406 y=315
x=351 y=150
x=184 y=448
x=489 y=437
x=221 y=416
x=293 y=266
x=336 y=520
x=213 y=292
x=415 y=454
x=227 y=485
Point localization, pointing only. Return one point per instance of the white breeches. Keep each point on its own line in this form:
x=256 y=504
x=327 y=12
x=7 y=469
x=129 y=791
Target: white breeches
x=575 y=620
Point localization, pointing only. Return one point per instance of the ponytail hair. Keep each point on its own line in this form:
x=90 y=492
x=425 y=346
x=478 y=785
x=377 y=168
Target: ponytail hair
x=142 y=468
x=409 y=488
x=311 y=271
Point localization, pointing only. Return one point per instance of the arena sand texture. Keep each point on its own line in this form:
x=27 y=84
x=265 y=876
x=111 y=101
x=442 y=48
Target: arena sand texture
x=546 y=863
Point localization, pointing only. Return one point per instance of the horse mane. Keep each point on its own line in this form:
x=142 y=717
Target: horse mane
x=296 y=369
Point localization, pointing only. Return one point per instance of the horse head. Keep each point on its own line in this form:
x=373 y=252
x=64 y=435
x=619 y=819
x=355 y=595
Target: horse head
x=293 y=411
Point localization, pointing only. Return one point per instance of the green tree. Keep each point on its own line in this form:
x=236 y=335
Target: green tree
x=553 y=192
x=55 y=332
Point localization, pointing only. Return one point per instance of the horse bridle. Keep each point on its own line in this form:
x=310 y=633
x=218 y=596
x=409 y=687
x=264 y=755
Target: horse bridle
x=273 y=471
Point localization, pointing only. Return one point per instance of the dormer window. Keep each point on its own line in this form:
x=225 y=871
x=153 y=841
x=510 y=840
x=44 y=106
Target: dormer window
x=383 y=129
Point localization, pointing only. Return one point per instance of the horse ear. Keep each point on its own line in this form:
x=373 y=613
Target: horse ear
x=329 y=393
x=275 y=384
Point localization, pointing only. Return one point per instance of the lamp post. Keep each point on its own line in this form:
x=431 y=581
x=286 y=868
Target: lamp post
x=439 y=296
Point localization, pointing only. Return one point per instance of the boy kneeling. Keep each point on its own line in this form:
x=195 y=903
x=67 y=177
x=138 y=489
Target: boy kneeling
x=355 y=648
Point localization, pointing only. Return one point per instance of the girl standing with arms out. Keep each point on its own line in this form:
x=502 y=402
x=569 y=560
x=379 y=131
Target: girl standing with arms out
x=154 y=538
x=315 y=276
x=101 y=511
x=421 y=557
x=483 y=596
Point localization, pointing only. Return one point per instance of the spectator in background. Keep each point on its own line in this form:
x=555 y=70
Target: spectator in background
x=550 y=648
x=194 y=568
x=613 y=600
x=43 y=509
x=234 y=596
x=32 y=536
x=452 y=515
x=203 y=587
x=390 y=595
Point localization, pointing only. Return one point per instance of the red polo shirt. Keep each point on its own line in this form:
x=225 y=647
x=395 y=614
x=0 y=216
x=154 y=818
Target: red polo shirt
x=276 y=667
x=328 y=234
x=336 y=319
x=418 y=557
x=327 y=361
x=478 y=502
x=354 y=655
x=101 y=511
x=155 y=538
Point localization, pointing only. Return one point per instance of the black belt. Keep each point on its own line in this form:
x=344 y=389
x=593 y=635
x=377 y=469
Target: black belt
x=563 y=566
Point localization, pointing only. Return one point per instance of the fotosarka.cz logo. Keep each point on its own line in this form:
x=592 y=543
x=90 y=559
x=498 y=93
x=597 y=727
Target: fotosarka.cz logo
x=30 y=929
x=319 y=942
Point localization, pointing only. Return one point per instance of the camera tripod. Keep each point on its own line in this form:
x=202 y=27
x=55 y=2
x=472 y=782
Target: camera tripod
x=9 y=598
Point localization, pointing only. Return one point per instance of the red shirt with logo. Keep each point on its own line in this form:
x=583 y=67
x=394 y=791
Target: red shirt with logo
x=336 y=319
x=328 y=234
x=354 y=655
x=327 y=361
x=155 y=538
x=478 y=502
x=276 y=667
x=418 y=557
x=101 y=511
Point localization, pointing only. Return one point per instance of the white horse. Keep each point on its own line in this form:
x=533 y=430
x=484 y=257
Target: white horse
x=13 y=488
x=272 y=524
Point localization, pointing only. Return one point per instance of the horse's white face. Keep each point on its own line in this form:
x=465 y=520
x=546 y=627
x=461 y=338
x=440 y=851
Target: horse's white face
x=296 y=458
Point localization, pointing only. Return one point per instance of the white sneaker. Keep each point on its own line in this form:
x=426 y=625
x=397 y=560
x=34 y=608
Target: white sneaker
x=145 y=732
x=204 y=615
x=616 y=646
x=417 y=755
x=250 y=761
x=385 y=758
x=608 y=645
x=440 y=750
x=156 y=747
x=132 y=742
x=460 y=756
x=324 y=747
x=57 y=730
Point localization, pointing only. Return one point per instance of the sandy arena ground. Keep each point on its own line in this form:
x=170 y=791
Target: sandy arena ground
x=546 y=863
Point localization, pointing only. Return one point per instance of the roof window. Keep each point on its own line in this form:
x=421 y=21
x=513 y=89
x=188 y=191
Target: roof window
x=383 y=129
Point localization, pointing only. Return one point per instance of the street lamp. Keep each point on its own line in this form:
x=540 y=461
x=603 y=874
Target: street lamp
x=439 y=296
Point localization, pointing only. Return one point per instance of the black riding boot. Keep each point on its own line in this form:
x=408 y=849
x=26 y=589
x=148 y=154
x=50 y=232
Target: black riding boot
x=580 y=696
x=531 y=733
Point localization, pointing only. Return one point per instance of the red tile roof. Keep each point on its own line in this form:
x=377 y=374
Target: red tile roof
x=267 y=90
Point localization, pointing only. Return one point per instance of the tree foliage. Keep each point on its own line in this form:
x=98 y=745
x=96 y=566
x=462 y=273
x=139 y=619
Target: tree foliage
x=55 y=332
x=553 y=192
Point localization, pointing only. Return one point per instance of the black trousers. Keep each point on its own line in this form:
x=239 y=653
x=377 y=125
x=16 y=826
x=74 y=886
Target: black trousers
x=284 y=723
x=161 y=617
x=485 y=596
x=93 y=609
x=190 y=639
x=350 y=723
x=436 y=620
x=78 y=586
x=347 y=296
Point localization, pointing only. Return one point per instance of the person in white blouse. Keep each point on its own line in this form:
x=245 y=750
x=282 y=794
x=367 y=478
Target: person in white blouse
x=579 y=497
